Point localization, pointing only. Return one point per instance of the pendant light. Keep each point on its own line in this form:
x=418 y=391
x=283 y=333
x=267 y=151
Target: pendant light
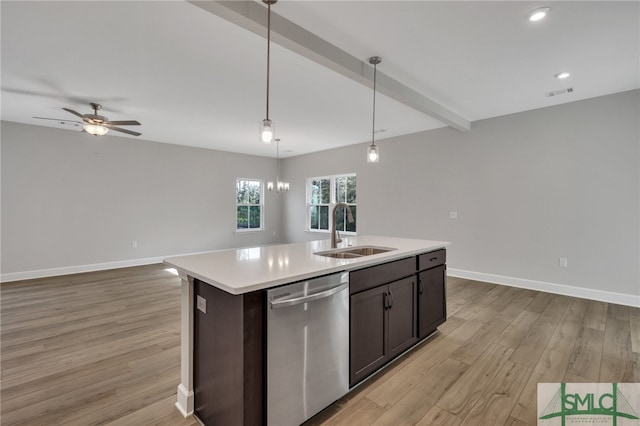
x=267 y=129
x=280 y=186
x=373 y=154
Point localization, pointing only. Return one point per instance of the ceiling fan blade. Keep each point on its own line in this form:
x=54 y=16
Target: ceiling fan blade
x=58 y=119
x=74 y=112
x=123 y=123
x=118 y=129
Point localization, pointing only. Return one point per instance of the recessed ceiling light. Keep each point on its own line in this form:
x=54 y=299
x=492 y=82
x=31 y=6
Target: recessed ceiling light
x=562 y=75
x=538 y=14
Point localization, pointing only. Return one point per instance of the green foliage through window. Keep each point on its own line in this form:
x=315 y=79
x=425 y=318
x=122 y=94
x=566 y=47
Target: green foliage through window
x=323 y=193
x=248 y=204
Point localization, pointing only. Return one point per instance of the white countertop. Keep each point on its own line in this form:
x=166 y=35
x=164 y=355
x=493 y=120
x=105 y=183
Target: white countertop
x=239 y=271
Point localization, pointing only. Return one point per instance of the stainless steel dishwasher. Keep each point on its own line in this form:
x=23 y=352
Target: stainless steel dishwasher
x=307 y=348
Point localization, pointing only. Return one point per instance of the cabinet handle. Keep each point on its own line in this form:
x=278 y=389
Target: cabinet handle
x=432 y=259
x=384 y=301
x=390 y=299
x=421 y=287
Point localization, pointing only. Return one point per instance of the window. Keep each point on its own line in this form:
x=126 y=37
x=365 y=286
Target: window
x=323 y=193
x=249 y=205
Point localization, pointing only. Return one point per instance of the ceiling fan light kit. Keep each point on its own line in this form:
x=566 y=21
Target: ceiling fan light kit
x=267 y=132
x=99 y=125
x=373 y=154
x=95 y=129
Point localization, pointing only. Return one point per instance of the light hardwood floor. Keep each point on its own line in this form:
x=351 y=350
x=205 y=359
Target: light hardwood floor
x=102 y=348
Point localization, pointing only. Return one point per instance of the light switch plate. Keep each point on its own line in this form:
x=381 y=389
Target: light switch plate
x=453 y=214
x=201 y=304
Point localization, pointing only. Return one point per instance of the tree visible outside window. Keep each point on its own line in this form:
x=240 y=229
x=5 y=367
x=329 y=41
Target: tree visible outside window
x=249 y=205
x=323 y=193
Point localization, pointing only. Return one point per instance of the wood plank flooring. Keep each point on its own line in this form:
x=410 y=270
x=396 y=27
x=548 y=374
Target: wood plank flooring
x=483 y=367
x=102 y=348
x=92 y=349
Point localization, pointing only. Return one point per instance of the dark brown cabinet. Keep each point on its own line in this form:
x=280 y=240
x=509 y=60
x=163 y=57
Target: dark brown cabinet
x=367 y=336
x=383 y=325
x=383 y=318
x=432 y=306
x=402 y=315
x=393 y=306
x=431 y=300
x=228 y=356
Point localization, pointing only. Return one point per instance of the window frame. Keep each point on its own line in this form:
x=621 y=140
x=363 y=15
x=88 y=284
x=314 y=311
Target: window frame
x=261 y=205
x=332 y=203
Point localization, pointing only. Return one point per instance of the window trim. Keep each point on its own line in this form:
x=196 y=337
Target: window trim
x=261 y=205
x=332 y=203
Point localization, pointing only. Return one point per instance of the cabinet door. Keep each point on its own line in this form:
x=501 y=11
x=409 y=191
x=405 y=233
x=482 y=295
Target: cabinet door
x=402 y=316
x=431 y=300
x=367 y=337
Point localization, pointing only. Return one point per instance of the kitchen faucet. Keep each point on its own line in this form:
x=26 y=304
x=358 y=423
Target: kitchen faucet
x=335 y=235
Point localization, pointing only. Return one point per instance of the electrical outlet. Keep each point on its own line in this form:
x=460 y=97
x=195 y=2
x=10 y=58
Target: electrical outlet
x=453 y=214
x=562 y=262
x=134 y=244
x=201 y=304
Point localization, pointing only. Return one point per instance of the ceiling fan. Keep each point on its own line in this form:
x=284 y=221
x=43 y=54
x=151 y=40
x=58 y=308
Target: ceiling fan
x=99 y=125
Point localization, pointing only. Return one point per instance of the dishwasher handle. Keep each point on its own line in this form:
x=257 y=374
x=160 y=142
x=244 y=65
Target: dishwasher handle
x=304 y=299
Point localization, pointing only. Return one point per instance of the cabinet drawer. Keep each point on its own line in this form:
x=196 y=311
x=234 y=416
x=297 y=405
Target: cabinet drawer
x=374 y=276
x=432 y=259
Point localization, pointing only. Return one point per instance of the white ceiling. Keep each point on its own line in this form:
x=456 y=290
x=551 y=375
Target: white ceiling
x=193 y=78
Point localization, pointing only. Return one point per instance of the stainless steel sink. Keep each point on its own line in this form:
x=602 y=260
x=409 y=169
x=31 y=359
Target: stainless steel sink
x=340 y=255
x=353 y=252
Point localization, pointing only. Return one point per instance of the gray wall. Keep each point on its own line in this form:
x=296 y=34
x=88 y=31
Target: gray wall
x=529 y=188
x=70 y=199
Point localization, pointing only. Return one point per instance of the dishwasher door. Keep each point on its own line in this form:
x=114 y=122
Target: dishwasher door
x=307 y=348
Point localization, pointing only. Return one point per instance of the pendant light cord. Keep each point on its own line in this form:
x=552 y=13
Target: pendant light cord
x=268 y=51
x=373 y=128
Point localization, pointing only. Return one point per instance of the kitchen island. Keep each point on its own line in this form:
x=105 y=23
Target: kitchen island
x=234 y=281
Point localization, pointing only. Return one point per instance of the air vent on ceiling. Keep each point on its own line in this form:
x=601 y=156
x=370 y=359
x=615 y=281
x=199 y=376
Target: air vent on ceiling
x=559 y=92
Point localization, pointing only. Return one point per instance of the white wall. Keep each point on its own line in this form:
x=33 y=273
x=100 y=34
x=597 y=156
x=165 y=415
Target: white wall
x=71 y=200
x=529 y=188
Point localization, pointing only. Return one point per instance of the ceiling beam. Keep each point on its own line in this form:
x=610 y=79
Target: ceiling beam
x=252 y=16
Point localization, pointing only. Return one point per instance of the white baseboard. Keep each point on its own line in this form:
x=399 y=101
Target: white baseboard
x=67 y=270
x=93 y=267
x=566 y=290
x=185 y=401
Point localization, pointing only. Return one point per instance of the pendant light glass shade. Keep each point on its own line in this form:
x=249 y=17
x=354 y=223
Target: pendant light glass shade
x=373 y=154
x=267 y=133
x=95 y=129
